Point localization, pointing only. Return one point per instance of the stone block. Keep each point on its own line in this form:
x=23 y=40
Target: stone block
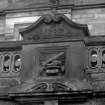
x=66 y=2
x=3 y=4
x=98 y=28
x=7 y=103
x=98 y=76
x=87 y=2
x=7 y=83
x=94 y=18
x=98 y=85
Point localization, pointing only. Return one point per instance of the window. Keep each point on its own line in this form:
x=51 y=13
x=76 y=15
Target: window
x=17 y=63
x=103 y=58
x=93 y=58
x=6 y=63
x=10 y=62
x=97 y=57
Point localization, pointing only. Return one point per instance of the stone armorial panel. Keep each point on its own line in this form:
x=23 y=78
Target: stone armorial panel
x=52 y=47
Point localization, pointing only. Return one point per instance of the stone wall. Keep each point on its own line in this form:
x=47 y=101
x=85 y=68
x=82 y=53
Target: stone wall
x=16 y=21
x=94 y=18
x=14 y=17
x=88 y=2
x=16 y=14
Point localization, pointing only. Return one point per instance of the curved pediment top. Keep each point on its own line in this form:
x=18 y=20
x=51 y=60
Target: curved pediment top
x=54 y=26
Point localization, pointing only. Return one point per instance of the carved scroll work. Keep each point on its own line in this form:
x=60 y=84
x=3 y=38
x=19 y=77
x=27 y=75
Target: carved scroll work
x=43 y=87
x=54 y=86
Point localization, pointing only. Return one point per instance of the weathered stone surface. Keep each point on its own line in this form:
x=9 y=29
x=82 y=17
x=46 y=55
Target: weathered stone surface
x=98 y=76
x=3 y=4
x=99 y=85
x=66 y=2
x=85 y=2
x=19 y=4
x=7 y=83
x=54 y=26
x=95 y=18
x=7 y=103
x=11 y=22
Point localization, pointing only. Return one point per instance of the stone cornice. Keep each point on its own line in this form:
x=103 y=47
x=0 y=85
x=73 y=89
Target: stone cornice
x=40 y=8
x=89 y=6
x=71 y=96
x=50 y=7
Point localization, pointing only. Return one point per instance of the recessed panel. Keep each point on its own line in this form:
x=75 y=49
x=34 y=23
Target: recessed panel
x=52 y=61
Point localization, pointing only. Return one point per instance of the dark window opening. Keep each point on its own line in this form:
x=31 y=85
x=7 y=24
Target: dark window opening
x=17 y=63
x=6 y=63
x=103 y=58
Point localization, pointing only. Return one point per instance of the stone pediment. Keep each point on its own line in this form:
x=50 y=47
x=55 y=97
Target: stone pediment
x=54 y=26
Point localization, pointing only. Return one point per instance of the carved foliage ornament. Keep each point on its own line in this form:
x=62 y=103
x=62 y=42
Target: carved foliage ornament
x=39 y=87
x=52 y=18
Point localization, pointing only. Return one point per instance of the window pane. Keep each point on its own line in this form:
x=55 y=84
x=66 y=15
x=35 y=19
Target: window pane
x=103 y=58
x=93 y=58
x=6 y=63
x=17 y=62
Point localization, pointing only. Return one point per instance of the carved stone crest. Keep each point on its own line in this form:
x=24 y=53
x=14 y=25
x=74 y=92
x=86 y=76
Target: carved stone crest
x=52 y=61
